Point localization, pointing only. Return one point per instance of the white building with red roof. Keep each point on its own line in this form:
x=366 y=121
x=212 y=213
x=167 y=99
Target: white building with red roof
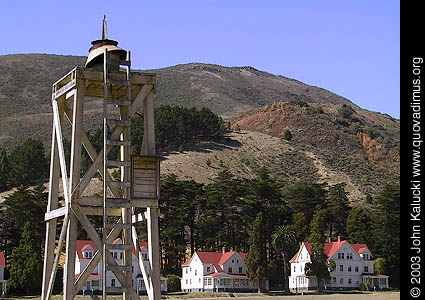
x=217 y=272
x=3 y=282
x=86 y=249
x=354 y=265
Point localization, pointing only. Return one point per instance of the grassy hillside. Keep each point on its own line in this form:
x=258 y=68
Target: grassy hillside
x=25 y=109
x=364 y=145
x=330 y=142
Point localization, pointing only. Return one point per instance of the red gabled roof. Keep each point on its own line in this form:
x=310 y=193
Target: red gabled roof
x=83 y=244
x=331 y=248
x=2 y=260
x=215 y=258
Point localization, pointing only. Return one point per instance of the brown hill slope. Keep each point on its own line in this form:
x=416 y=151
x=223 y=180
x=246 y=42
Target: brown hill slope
x=25 y=109
x=364 y=146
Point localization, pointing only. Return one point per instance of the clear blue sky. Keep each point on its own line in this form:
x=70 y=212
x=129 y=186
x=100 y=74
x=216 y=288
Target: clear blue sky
x=350 y=47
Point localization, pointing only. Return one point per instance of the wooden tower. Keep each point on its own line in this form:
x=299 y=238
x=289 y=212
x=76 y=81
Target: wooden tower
x=106 y=76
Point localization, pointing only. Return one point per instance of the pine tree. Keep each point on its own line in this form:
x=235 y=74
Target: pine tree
x=319 y=266
x=337 y=207
x=256 y=260
x=386 y=230
x=4 y=169
x=26 y=263
x=358 y=226
x=28 y=164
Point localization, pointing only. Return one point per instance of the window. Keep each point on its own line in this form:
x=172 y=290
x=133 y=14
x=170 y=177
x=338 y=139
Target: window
x=95 y=283
x=196 y=272
x=230 y=270
x=341 y=281
x=187 y=281
x=349 y=280
x=340 y=255
x=112 y=282
x=233 y=261
x=366 y=269
x=199 y=279
x=187 y=271
x=349 y=255
x=356 y=269
x=208 y=269
x=294 y=268
x=88 y=254
x=190 y=269
x=240 y=270
x=349 y=268
x=341 y=268
x=207 y=281
x=120 y=255
x=334 y=279
x=114 y=255
x=190 y=281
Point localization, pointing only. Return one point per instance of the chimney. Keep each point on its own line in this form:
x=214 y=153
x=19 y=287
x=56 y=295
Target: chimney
x=223 y=249
x=339 y=239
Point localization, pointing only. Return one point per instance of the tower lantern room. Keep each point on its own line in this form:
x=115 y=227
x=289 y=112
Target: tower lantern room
x=108 y=78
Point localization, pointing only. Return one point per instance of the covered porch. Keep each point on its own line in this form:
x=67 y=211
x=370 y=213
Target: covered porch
x=223 y=282
x=376 y=281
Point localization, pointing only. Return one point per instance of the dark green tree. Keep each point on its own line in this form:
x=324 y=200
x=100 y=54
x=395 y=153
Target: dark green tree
x=337 y=207
x=303 y=197
x=345 y=111
x=26 y=263
x=25 y=204
x=386 y=230
x=300 y=226
x=28 y=164
x=358 y=226
x=256 y=260
x=284 y=239
x=4 y=169
x=287 y=135
x=319 y=265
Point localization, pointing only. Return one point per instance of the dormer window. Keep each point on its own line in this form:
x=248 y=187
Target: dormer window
x=88 y=254
x=208 y=269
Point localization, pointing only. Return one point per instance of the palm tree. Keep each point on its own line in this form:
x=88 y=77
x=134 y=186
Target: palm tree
x=284 y=240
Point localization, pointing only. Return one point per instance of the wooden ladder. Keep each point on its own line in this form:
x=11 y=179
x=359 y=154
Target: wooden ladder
x=120 y=107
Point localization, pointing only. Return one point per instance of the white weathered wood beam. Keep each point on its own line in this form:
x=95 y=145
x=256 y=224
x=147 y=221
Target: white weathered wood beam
x=59 y=142
x=75 y=165
x=63 y=90
x=94 y=262
x=57 y=257
x=52 y=204
x=148 y=149
x=56 y=213
x=145 y=274
x=97 y=158
x=94 y=236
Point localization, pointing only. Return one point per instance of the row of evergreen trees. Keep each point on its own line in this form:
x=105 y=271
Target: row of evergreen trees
x=268 y=221
x=257 y=216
